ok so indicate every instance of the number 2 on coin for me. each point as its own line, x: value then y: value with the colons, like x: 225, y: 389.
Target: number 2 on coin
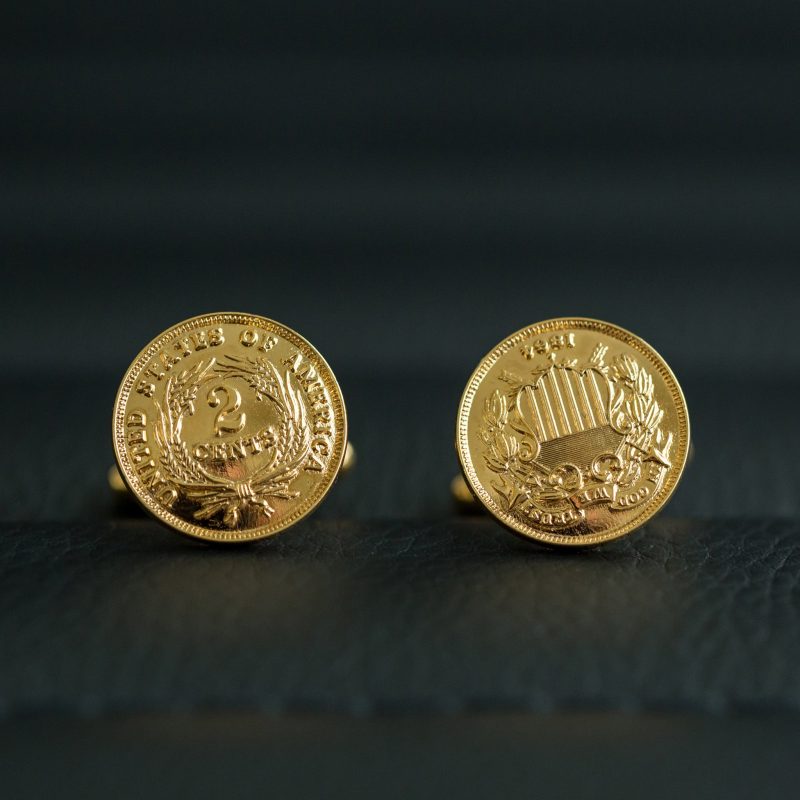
x: 226, y: 420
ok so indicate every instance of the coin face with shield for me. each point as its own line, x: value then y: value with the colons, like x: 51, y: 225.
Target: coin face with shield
x: 572, y: 432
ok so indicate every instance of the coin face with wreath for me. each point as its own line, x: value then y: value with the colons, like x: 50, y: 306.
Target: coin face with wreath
x: 573, y: 432
x: 229, y: 427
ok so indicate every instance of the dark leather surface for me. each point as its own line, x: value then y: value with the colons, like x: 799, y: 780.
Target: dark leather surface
x: 397, y: 659
x: 371, y: 618
x: 212, y: 755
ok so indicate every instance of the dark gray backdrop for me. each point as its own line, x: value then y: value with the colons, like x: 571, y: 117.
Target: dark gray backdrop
x: 403, y: 184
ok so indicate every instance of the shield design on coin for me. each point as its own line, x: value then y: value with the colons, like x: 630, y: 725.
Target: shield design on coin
x: 568, y: 413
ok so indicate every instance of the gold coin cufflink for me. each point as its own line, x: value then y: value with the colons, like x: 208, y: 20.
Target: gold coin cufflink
x: 572, y: 432
x: 229, y: 427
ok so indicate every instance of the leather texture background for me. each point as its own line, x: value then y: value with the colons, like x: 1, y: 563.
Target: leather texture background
x: 368, y: 659
x: 219, y: 754
x: 369, y: 618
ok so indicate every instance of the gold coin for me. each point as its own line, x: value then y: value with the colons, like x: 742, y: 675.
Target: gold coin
x: 229, y: 427
x: 572, y: 432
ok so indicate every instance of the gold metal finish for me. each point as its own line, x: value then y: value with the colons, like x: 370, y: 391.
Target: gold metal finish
x: 460, y: 491
x: 229, y: 427
x: 350, y: 459
x: 116, y: 484
x: 464, y: 501
x: 572, y: 432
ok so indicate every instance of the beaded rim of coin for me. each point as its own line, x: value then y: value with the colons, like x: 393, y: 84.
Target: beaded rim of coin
x: 306, y: 350
x: 557, y: 326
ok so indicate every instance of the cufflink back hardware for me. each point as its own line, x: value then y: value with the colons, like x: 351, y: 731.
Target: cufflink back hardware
x: 229, y: 427
x: 571, y: 432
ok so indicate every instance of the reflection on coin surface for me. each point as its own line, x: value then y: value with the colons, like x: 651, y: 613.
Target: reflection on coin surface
x: 572, y: 432
x: 229, y: 427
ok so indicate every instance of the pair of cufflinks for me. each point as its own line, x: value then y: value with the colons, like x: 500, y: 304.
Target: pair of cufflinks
x: 231, y: 427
